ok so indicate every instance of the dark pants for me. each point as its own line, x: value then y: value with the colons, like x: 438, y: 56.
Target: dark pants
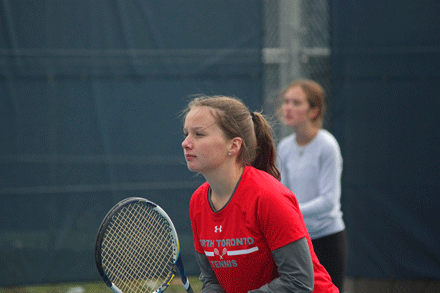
x: 332, y: 254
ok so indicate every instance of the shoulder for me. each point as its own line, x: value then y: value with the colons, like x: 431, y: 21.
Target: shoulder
x: 326, y: 141
x: 201, y: 189
x: 265, y: 188
x: 199, y: 195
x: 260, y: 179
x: 285, y: 143
x: 287, y: 140
x: 325, y: 137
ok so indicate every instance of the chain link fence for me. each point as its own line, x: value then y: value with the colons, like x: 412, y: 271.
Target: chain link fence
x: 296, y: 45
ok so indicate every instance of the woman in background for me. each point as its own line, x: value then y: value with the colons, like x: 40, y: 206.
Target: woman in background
x: 310, y: 162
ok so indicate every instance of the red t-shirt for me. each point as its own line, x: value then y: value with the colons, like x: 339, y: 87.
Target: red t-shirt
x: 238, y: 240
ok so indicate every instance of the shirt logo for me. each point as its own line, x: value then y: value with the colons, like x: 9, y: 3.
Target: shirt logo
x: 218, y: 229
x: 216, y: 252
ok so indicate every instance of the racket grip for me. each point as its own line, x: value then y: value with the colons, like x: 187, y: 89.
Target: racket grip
x: 182, y: 275
x: 187, y: 285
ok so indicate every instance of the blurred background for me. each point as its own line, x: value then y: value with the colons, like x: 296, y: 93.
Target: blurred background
x: 90, y: 97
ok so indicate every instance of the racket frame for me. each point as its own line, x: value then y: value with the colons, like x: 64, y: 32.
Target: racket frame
x: 177, y: 261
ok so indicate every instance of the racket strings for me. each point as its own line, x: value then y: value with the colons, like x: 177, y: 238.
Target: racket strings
x: 137, y: 251
x: 135, y: 242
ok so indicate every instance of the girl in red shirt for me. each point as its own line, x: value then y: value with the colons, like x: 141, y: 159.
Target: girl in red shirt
x: 249, y: 233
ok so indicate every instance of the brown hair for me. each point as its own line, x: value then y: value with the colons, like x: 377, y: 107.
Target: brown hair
x: 234, y: 118
x: 315, y: 96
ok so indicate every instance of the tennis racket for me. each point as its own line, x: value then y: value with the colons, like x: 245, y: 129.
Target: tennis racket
x: 137, y: 249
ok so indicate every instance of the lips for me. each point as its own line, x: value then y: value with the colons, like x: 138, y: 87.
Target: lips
x: 189, y: 157
x: 288, y: 117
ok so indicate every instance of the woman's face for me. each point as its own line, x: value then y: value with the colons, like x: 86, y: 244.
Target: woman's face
x: 205, y: 145
x: 295, y: 108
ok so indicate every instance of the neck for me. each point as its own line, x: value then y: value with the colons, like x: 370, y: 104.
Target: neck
x: 222, y: 184
x: 305, y: 134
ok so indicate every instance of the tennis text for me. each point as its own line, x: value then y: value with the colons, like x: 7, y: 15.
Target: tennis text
x: 224, y: 264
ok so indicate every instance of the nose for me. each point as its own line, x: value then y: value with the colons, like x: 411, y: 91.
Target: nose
x: 186, y: 143
x: 288, y: 105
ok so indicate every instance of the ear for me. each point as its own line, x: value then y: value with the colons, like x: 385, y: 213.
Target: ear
x: 314, y: 113
x: 235, y: 146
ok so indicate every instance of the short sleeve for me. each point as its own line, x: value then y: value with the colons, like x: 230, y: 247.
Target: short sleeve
x: 280, y: 219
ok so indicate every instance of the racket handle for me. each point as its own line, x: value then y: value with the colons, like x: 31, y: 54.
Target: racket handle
x: 182, y: 275
x: 187, y: 285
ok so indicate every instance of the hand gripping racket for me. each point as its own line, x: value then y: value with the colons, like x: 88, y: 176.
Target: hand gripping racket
x: 137, y: 249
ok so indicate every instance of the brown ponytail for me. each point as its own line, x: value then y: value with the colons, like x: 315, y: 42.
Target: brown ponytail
x: 266, y: 151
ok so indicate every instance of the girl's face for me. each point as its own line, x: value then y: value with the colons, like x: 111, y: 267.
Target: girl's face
x: 295, y: 108
x: 205, y: 145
